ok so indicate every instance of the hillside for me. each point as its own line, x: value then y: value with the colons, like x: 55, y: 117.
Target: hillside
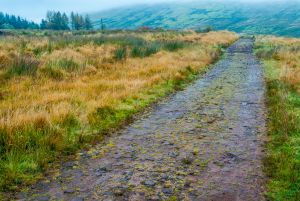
x: 278, y: 18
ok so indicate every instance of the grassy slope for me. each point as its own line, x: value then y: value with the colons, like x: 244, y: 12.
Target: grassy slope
x: 265, y: 18
x: 58, y: 96
x: 283, y: 149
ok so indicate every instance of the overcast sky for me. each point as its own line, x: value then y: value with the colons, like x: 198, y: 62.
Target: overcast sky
x: 36, y: 9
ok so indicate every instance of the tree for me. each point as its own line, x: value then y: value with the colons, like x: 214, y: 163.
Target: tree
x: 72, y: 20
x: 65, y: 22
x: 43, y: 24
x: 15, y: 22
x: 2, y: 19
x: 60, y: 21
x: 102, y: 25
x: 88, y: 23
x: 55, y: 21
x: 78, y: 22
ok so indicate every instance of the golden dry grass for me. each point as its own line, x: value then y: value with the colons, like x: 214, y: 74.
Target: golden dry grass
x: 78, y: 91
x: 286, y: 51
x: 210, y: 38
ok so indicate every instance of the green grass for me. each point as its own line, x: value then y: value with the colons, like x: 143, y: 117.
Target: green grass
x: 282, y: 162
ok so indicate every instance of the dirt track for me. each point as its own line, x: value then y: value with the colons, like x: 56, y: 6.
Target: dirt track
x: 203, y: 143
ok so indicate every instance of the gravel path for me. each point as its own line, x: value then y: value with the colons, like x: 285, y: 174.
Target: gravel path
x: 203, y: 143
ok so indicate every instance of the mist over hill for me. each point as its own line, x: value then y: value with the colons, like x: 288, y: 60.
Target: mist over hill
x: 269, y: 17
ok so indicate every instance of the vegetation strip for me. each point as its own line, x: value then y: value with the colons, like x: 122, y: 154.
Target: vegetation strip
x: 282, y: 163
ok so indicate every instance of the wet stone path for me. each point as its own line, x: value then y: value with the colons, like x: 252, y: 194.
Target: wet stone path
x: 203, y: 143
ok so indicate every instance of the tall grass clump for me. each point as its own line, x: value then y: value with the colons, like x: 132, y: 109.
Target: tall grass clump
x: 23, y: 65
x: 120, y: 53
x: 27, y: 149
x: 145, y: 50
x: 282, y: 163
x: 4, y: 60
x: 173, y: 45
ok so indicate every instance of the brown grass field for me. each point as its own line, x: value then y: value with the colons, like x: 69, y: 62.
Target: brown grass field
x: 59, y: 93
x: 286, y: 53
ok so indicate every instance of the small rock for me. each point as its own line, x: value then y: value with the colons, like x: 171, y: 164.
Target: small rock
x: 77, y: 199
x: 188, y: 183
x: 43, y: 198
x: 210, y: 121
x: 192, y: 173
x: 128, y: 173
x: 108, y: 193
x: 149, y: 183
x: 231, y: 155
x: 200, y: 137
x: 104, y: 169
x: 180, y: 177
x: 244, y: 104
x: 164, y: 177
x: 167, y: 191
x: 69, y: 164
x: 124, y: 179
x: 99, y: 174
x: 119, y: 190
x: 168, y: 143
x: 118, y: 164
x: 149, y: 159
x: 69, y: 191
x: 173, y: 154
x: 21, y: 195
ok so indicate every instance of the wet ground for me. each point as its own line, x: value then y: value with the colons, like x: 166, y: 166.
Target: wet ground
x: 203, y: 143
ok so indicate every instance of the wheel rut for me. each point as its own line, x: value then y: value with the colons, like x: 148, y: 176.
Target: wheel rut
x: 203, y: 143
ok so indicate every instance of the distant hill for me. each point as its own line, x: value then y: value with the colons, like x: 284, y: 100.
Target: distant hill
x: 278, y: 18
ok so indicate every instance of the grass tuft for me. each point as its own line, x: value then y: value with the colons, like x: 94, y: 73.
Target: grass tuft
x: 120, y: 53
x: 23, y: 65
x: 173, y: 45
